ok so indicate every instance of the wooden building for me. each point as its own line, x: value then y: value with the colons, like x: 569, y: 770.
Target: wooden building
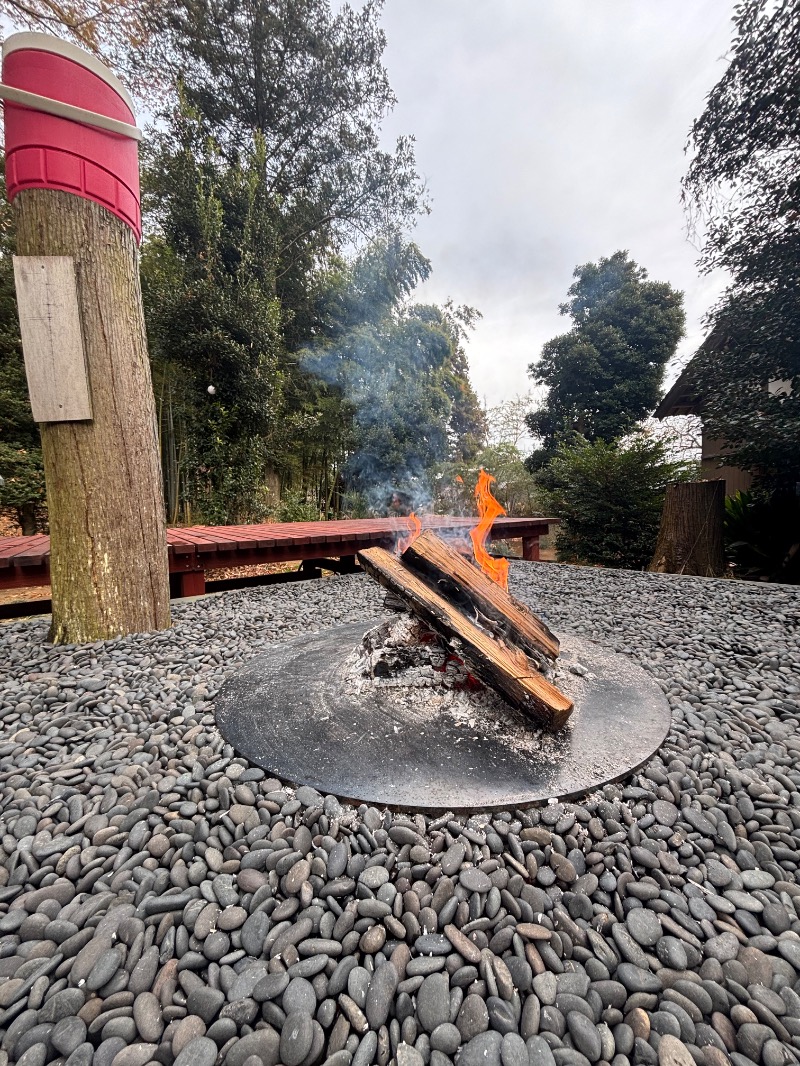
x: 680, y: 400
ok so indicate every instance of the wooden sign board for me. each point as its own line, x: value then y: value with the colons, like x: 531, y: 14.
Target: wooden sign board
x: 52, y: 340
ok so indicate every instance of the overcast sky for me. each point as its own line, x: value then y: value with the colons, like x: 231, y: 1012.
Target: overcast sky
x: 550, y: 133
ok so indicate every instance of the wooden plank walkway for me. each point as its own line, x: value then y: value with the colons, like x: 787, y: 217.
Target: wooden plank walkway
x: 25, y: 561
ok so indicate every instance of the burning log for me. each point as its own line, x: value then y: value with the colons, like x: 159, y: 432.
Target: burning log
x: 491, y: 628
x: 483, y: 600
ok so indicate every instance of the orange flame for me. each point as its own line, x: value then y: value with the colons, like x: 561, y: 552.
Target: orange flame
x: 414, y: 530
x: 488, y: 509
x: 459, y: 479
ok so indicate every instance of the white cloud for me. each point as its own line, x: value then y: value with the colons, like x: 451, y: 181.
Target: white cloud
x: 550, y: 134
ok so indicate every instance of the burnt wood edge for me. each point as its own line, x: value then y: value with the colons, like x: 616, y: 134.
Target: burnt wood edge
x: 504, y: 668
x: 482, y: 600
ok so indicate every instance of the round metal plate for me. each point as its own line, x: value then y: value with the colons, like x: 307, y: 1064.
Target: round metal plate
x: 288, y: 712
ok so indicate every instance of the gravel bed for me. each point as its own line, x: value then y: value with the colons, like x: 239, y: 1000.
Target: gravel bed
x: 162, y: 901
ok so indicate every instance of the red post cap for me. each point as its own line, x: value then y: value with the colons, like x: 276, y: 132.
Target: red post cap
x: 46, y: 151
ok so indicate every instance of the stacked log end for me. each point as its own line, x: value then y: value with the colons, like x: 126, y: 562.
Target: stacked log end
x: 501, y: 640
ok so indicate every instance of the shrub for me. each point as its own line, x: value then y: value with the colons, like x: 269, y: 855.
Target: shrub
x: 295, y: 506
x: 762, y: 536
x: 609, y: 498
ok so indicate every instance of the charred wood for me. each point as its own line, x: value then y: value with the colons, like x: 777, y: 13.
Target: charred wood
x: 504, y: 666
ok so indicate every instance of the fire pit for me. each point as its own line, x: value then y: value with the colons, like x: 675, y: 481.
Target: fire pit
x: 466, y: 700
x: 298, y: 714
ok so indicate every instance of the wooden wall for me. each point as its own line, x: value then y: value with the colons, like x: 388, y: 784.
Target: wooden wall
x: 713, y: 452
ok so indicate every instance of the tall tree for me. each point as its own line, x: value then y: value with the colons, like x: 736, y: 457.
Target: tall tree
x: 605, y: 374
x: 743, y: 188
x: 312, y: 83
x: 264, y: 173
x: 213, y: 322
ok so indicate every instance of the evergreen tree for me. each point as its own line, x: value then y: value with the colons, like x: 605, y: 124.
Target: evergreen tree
x: 605, y: 374
x: 312, y: 83
x: 213, y: 323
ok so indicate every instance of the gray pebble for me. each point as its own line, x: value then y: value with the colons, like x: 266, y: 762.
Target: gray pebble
x: 299, y: 996
x: 446, y: 1038
x: 198, y: 1052
x: 539, y: 1053
x: 585, y: 1035
x: 482, y: 1050
x: 296, y: 1038
x: 68, y: 1034
x: 644, y: 926
x: 380, y: 994
x: 433, y: 1002
x: 474, y: 880
x: 472, y: 1018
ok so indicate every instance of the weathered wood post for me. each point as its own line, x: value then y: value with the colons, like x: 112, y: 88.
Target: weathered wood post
x: 690, y: 540
x: 73, y: 176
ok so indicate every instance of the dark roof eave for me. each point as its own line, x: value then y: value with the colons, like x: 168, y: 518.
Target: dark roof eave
x: 679, y: 400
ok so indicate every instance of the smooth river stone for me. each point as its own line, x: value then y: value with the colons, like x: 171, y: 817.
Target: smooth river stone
x: 474, y: 880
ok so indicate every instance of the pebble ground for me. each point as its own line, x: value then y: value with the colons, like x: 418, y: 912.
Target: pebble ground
x: 163, y: 901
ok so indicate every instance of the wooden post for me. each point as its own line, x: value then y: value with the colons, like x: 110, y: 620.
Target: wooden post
x: 108, y: 559
x: 690, y: 540
x: 192, y: 583
x: 530, y: 549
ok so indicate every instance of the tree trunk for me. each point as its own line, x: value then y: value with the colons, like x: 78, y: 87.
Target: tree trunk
x: 272, y: 483
x: 690, y: 539
x: 108, y: 555
x: 26, y: 516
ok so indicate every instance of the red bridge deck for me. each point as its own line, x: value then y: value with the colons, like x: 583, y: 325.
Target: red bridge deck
x: 25, y: 561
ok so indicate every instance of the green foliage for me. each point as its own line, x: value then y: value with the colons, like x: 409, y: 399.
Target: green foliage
x: 281, y: 368
x: 22, y: 493
x: 609, y: 498
x: 295, y: 507
x: 762, y: 535
x: 605, y: 374
x: 213, y: 322
x: 744, y: 188
x: 311, y: 83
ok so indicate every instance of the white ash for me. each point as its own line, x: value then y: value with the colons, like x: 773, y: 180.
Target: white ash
x: 422, y: 677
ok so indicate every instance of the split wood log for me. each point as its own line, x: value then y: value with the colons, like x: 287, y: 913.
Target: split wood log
x: 482, y: 600
x: 690, y: 540
x: 507, y: 669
